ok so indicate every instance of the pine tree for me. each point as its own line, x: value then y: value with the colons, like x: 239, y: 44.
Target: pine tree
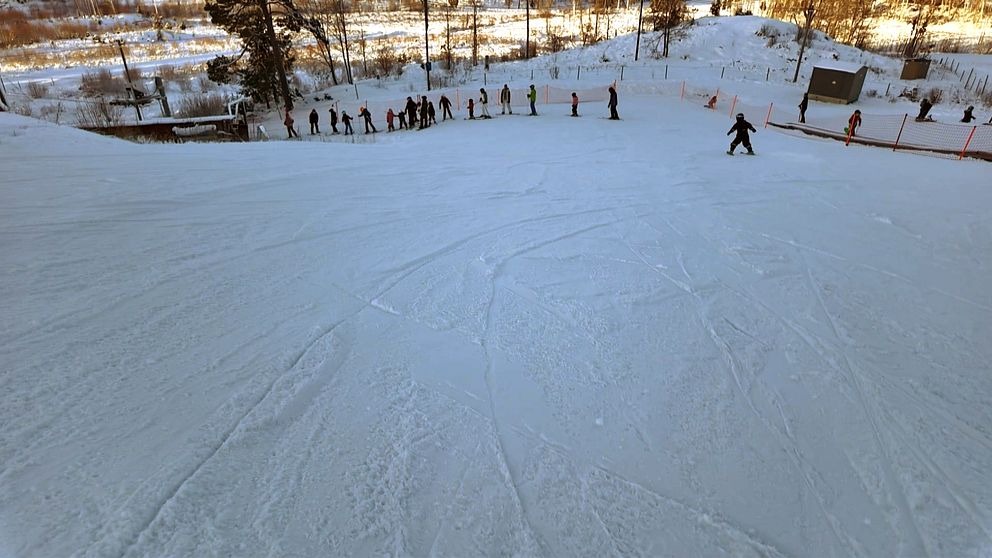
x: 262, y: 74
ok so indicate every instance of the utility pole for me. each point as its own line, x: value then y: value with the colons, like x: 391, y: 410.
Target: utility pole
x: 427, y: 48
x: 475, y: 33
x: 809, y: 12
x: 528, y: 29
x: 127, y: 73
x: 640, y: 17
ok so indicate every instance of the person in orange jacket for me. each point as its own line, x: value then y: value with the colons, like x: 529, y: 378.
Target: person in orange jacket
x: 389, y: 120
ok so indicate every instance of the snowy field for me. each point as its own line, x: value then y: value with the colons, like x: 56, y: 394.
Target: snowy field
x: 526, y: 336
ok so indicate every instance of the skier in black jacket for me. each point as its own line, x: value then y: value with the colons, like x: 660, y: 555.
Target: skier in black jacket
x: 741, y: 127
x: 446, y: 108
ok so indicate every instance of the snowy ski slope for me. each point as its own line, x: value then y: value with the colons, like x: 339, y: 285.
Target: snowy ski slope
x: 531, y: 336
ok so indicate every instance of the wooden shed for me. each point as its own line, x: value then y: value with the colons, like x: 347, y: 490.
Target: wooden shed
x: 837, y: 82
x: 915, y: 68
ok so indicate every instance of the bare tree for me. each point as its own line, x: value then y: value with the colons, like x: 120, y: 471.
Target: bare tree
x: 809, y: 12
x: 927, y: 13
x: 316, y: 16
x: 667, y: 15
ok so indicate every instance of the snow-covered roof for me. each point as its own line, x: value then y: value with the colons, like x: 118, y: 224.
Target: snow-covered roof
x: 840, y: 66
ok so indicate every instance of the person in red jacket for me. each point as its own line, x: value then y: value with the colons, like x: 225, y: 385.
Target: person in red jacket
x: 853, y: 122
x: 389, y: 120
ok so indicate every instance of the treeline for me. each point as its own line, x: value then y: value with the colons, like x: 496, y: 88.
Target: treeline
x: 852, y: 21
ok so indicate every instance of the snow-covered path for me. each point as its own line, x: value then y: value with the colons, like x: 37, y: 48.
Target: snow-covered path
x: 544, y: 336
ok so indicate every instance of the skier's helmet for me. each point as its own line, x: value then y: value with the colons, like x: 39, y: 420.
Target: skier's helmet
x: 740, y: 116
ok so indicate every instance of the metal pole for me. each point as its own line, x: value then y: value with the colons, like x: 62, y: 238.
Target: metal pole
x: 899, y: 135
x: 768, y: 118
x: 527, y: 54
x: 640, y: 17
x: 427, y: 48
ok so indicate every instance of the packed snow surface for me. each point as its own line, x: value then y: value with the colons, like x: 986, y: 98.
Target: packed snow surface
x: 543, y: 336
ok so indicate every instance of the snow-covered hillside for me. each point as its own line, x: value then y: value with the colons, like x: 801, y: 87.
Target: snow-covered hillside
x: 531, y: 336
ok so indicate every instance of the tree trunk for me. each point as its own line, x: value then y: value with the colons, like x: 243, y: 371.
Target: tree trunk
x: 276, y: 54
x: 343, y: 27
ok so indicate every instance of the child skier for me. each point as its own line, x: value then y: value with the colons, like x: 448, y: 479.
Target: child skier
x: 575, y: 104
x: 741, y: 127
x: 346, y: 120
x: 853, y: 122
x: 314, y: 122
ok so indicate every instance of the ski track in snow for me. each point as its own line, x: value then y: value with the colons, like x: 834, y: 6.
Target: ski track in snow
x: 601, y: 352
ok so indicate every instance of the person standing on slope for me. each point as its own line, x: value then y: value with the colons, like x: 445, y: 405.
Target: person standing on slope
x: 346, y: 120
x: 334, y: 121
x: 575, y: 104
x: 289, y: 121
x: 314, y: 122
x: 445, y: 103
x: 411, y: 113
x: 925, y: 106
x: 504, y: 99
x: 389, y: 121
x: 803, y: 105
x: 484, y: 101
x: 741, y: 127
x: 613, y: 104
x: 425, y: 119
x: 532, y: 97
x: 471, y: 108
x: 367, y: 116
x: 431, y: 113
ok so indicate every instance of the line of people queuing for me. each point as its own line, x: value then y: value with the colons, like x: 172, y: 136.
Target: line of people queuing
x: 421, y: 113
